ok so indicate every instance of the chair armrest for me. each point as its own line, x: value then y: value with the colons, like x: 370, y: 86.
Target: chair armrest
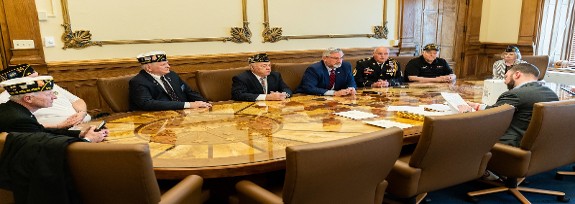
x: 252, y: 191
x: 188, y: 190
x: 509, y: 161
x: 403, y: 179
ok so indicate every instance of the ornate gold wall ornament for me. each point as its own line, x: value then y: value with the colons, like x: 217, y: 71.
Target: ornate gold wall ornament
x: 274, y: 34
x: 82, y: 38
x: 77, y: 39
x: 240, y: 35
x: 380, y: 32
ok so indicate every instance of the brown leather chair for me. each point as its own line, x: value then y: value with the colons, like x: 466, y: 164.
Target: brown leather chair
x: 216, y: 85
x: 540, y: 61
x: 402, y: 60
x: 452, y: 149
x: 547, y: 144
x: 291, y: 72
x: 120, y: 173
x: 123, y: 173
x: 350, y: 170
x: 6, y: 196
x: 116, y: 92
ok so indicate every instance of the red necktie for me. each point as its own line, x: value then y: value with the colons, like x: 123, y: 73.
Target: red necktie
x: 331, y: 78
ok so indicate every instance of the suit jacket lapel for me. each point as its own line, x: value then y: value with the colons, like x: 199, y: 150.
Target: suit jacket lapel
x: 256, y: 82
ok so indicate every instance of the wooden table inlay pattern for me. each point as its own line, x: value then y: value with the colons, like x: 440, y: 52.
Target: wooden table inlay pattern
x: 241, y: 138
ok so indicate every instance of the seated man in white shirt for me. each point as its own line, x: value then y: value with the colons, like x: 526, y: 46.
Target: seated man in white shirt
x: 67, y: 110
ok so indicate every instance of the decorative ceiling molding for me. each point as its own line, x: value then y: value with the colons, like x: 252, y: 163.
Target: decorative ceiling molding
x: 83, y: 38
x: 275, y: 34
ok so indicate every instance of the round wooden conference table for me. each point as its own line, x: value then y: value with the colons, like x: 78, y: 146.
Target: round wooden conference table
x: 244, y: 138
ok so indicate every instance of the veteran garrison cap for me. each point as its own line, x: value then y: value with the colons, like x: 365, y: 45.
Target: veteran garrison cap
x: 262, y: 57
x: 431, y: 46
x: 512, y: 48
x: 16, y: 71
x: 28, y: 85
x: 153, y: 56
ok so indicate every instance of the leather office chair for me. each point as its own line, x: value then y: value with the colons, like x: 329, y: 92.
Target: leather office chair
x: 350, y: 170
x: 119, y: 173
x: 116, y: 91
x: 6, y: 196
x: 540, y: 61
x: 452, y: 149
x: 291, y: 72
x: 547, y: 144
x: 216, y: 85
x: 123, y: 173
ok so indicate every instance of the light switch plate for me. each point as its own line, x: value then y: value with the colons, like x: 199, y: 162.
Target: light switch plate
x: 49, y: 41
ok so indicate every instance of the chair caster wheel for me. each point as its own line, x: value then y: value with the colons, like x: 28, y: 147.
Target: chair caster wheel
x: 472, y: 199
x: 558, y: 176
x: 427, y: 200
x: 563, y: 199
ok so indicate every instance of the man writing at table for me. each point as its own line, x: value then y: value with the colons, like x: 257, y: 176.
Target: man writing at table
x: 27, y: 95
x: 157, y: 88
x: 330, y: 76
x: 428, y: 67
x: 259, y: 83
x: 524, y: 91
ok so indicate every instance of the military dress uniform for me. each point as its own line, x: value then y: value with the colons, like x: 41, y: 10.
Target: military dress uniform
x: 367, y: 71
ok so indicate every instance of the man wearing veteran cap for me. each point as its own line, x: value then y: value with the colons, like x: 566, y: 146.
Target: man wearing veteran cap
x: 157, y: 88
x: 428, y: 67
x: 27, y: 95
x: 67, y: 110
x: 259, y: 83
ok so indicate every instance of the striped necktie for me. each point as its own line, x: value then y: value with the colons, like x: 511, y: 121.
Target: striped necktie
x: 331, y: 79
x: 263, y: 82
x: 169, y: 89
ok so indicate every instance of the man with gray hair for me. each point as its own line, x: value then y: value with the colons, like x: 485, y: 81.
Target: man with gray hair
x: 331, y: 76
x: 27, y: 95
x: 157, y: 88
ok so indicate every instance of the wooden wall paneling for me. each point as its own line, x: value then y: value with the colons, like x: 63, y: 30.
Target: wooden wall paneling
x: 79, y: 77
x: 407, y: 16
x: 430, y: 26
x: 472, y: 50
x: 460, y: 37
x: 529, y: 26
x: 20, y: 22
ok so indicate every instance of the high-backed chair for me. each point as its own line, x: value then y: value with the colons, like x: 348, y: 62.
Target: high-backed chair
x: 452, y: 149
x: 547, y: 144
x: 403, y: 60
x: 216, y: 85
x: 116, y: 91
x: 119, y: 173
x: 123, y: 173
x: 350, y: 170
x: 540, y: 61
x: 291, y: 72
x: 6, y: 196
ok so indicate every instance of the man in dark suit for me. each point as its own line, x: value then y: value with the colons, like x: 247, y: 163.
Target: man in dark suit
x: 27, y: 95
x: 157, y: 88
x: 330, y: 76
x: 378, y: 70
x: 259, y: 83
x: 524, y: 91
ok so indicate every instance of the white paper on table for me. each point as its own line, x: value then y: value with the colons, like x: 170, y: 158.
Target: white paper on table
x: 356, y: 115
x: 388, y: 124
x: 454, y: 100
